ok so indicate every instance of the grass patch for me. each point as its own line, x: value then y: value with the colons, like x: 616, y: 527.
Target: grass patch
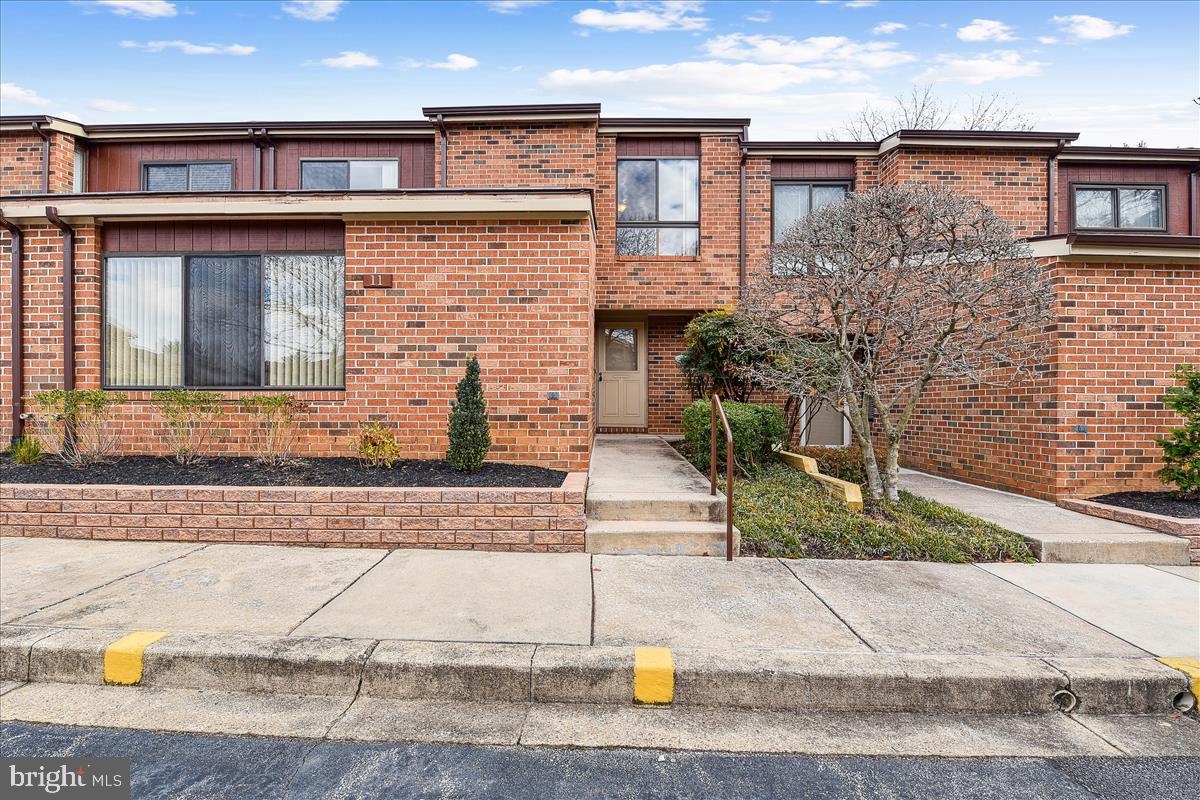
x: 783, y: 513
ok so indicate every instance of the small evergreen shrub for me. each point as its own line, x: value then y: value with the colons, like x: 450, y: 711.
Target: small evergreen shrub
x: 377, y: 446
x: 274, y: 429
x: 756, y: 427
x: 470, y: 437
x: 844, y: 463
x: 26, y: 450
x: 189, y: 419
x: 1181, y: 446
x: 76, y: 425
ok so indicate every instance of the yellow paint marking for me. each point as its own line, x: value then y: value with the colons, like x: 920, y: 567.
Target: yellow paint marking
x: 123, y: 658
x: 653, y: 675
x: 1189, y: 667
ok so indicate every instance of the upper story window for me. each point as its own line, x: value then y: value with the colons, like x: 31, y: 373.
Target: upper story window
x: 349, y: 174
x: 658, y: 207
x: 791, y: 201
x: 1120, y: 207
x: 194, y: 176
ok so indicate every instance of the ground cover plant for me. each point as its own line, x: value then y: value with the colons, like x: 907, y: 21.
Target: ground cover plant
x: 26, y: 450
x: 783, y: 513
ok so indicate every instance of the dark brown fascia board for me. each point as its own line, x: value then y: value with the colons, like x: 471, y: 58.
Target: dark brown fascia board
x: 1048, y: 136
x: 272, y: 193
x: 133, y: 131
x: 1184, y: 154
x: 524, y: 110
x: 809, y: 149
x: 1139, y: 239
x: 681, y: 122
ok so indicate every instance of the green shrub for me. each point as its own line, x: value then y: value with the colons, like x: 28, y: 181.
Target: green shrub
x: 714, y: 355
x: 1181, y: 447
x: 26, y: 450
x: 75, y: 424
x: 377, y: 446
x: 756, y: 427
x: 274, y: 428
x: 189, y: 418
x: 844, y: 463
x: 470, y: 437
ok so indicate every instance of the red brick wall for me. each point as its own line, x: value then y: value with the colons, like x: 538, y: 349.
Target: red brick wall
x: 21, y: 163
x: 529, y: 520
x: 521, y: 154
x: 667, y: 390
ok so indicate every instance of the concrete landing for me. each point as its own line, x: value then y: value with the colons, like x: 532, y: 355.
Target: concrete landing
x: 1055, y: 534
x: 644, y: 498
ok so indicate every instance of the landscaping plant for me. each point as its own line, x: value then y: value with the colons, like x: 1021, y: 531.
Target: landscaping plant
x: 377, y: 446
x: 470, y: 437
x: 26, y: 450
x: 189, y: 418
x: 1181, y: 446
x: 756, y: 428
x: 710, y: 362
x: 274, y: 428
x: 75, y: 423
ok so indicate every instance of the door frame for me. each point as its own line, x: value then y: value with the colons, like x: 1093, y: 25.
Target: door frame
x: 639, y: 322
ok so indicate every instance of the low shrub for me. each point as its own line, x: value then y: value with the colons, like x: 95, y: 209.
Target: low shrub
x: 469, y: 434
x: 783, y: 513
x: 189, y: 420
x: 1181, y: 446
x: 844, y: 463
x: 377, y: 446
x: 274, y: 426
x: 75, y: 424
x: 756, y: 427
x: 26, y: 450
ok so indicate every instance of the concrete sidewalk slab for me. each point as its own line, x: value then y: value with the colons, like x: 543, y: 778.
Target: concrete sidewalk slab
x: 372, y: 719
x: 465, y: 596
x: 36, y: 573
x: 251, y: 589
x: 641, y: 464
x: 708, y: 602
x: 1149, y: 735
x: 1154, y: 610
x: 920, y: 607
x: 1191, y: 573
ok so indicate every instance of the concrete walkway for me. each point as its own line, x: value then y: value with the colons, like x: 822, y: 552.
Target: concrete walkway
x: 1056, y: 534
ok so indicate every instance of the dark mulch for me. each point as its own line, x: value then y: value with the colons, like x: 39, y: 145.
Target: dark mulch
x: 1165, y: 503
x: 156, y: 471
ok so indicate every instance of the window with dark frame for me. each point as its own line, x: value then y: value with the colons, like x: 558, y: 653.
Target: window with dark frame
x: 224, y: 321
x: 1117, y: 207
x: 339, y: 174
x: 194, y: 176
x: 658, y: 207
x: 791, y: 201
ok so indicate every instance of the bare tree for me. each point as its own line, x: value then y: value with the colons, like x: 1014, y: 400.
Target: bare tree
x: 867, y: 301
x: 922, y: 109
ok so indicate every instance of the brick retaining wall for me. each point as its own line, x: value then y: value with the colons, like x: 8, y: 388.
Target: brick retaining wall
x: 530, y: 520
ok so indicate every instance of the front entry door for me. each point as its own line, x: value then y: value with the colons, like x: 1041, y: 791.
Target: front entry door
x: 621, y: 372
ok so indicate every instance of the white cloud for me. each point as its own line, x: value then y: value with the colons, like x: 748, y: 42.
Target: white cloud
x: 1081, y: 26
x: 699, y: 78
x: 513, y: 6
x: 986, y: 30
x: 1160, y: 124
x: 645, y: 17
x: 997, y: 65
x: 760, y: 15
x: 72, y: 116
x: 1048, y: 39
x: 111, y: 106
x: 884, y: 28
x: 456, y: 62
x: 813, y: 50
x: 351, y: 59
x: 11, y: 93
x: 314, y: 10
x: 142, y: 9
x: 190, y: 48
x: 862, y: 3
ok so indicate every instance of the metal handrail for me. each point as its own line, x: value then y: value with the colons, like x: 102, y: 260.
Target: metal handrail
x: 718, y: 410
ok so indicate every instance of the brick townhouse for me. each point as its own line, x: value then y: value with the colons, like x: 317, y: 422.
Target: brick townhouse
x: 357, y: 265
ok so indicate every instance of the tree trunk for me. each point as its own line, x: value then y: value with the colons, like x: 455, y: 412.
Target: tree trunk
x: 891, y: 472
x: 871, y: 466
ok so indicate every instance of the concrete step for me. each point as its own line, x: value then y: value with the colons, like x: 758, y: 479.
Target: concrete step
x: 1110, y: 548
x: 658, y: 537
x: 672, y: 506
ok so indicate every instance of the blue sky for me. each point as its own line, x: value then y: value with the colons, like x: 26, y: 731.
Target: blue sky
x: 1119, y: 72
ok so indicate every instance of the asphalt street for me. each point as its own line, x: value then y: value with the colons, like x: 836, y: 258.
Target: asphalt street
x: 179, y: 766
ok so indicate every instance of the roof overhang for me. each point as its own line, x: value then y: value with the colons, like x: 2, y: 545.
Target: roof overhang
x: 665, y: 126
x: 560, y: 204
x: 1181, y: 155
x: 813, y: 149
x: 536, y: 112
x: 221, y: 130
x: 1117, y: 247
x: 993, y: 140
x: 46, y: 123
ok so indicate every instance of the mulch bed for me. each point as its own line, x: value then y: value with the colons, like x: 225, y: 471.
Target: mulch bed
x: 1165, y: 503
x: 157, y: 471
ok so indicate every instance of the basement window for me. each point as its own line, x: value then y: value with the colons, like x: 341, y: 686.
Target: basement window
x: 658, y: 207
x: 340, y: 174
x: 1141, y: 208
x: 195, y: 176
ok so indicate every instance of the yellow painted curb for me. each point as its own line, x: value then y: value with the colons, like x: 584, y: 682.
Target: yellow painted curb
x: 653, y: 675
x: 123, y: 658
x: 1189, y: 667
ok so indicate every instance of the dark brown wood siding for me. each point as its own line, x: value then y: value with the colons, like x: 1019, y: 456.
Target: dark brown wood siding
x: 222, y: 237
x: 822, y: 169
x: 415, y: 155
x: 1175, y: 178
x: 116, y: 166
x: 633, y: 147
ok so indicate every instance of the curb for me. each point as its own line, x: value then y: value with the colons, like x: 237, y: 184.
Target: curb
x: 771, y: 680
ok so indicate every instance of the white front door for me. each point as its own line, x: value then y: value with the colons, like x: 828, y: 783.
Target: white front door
x: 621, y: 374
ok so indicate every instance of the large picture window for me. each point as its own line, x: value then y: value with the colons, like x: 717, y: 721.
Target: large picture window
x: 658, y: 207
x: 792, y: 201
x: 1120, y: 207
x: 224, y: 321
